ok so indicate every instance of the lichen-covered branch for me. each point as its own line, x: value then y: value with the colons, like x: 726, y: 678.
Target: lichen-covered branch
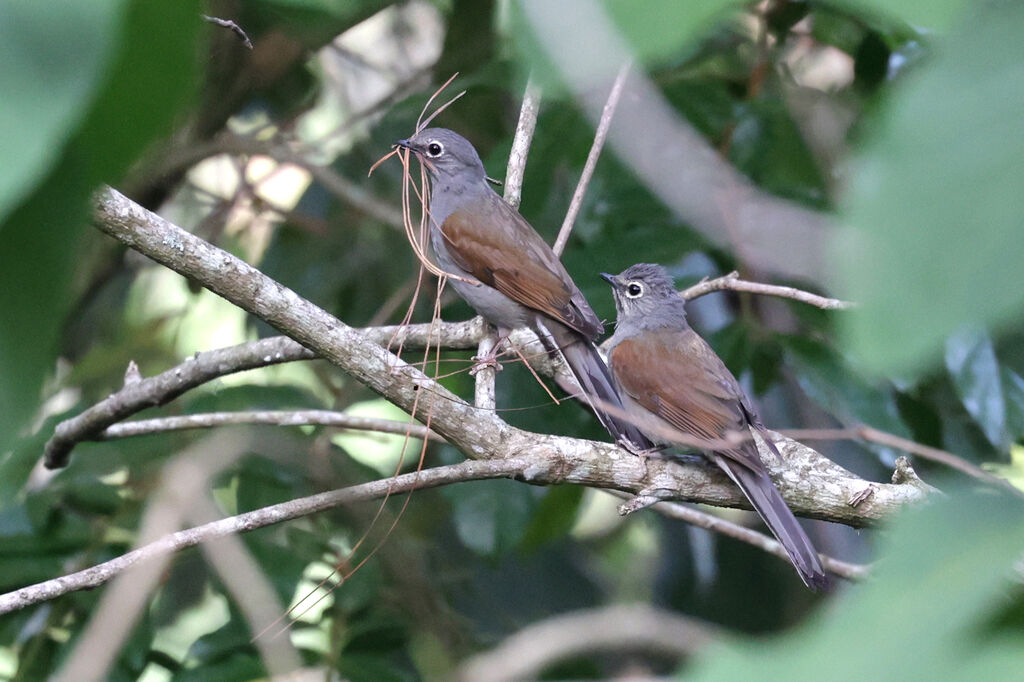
x: 810, y: 483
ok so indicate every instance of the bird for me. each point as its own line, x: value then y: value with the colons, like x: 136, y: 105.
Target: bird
x: 508, y: 273
x: 671, y: 381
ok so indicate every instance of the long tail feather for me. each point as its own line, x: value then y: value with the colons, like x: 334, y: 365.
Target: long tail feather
x: 768, y: 502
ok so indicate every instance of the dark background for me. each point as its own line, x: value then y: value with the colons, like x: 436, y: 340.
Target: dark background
x: 899, y: 123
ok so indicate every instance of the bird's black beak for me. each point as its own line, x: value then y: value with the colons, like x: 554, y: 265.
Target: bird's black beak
x: 405, y: 144
x: 610, y: 279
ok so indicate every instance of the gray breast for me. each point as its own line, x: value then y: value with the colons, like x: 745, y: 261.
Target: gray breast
x: 496, y: 307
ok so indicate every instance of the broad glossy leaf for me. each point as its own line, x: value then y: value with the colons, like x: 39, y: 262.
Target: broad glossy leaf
x: 53, y: 56
x: 1013, y: 390
x: 239, y: 666
x: 145, y: 81
x: 933, y: 214
x: 599, y: 34
x: 972, y: 364
x: 934, y: 15
x: 554, y: 517
x: 491, y: 516
x: 945, y: 574
x: 842, y: 389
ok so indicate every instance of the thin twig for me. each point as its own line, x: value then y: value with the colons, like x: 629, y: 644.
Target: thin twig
x: 232, y: 26
x: 486, y: 375
x: 607, y: 629
x: 874, y: 435
x: 595, y: 152
x: 732, y: 282
x: 469, y: 470
x: 484, y: 393
x: 762, y: 541
x: 207, y: 420
x: 521, y: 143
x: 138, y: 394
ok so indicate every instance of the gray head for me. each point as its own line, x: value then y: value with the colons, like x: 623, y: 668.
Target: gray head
x: 446, y: 154
x: 646, y: 297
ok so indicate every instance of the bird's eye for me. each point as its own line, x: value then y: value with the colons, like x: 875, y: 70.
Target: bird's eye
x: 435, y: 149
x: 634, y: 290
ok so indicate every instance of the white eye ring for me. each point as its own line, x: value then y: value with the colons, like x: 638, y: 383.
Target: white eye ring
x: 434, y: 149
x: 634, y: 290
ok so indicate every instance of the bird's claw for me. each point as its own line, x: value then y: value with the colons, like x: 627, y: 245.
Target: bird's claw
x: 482, y: 362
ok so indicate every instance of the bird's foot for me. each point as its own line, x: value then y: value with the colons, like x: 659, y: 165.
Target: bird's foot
x: 643, y: 453
x: 482, y: 362
x: 489, y: 359
x: 634, y: 449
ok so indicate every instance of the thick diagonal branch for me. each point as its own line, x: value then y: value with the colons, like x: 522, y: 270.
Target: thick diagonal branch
x: 811, y: 484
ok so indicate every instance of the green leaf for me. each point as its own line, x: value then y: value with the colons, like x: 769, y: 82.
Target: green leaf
x: 240, y: 666
x: 491, y: 516
x: 360, y: 667
x: 653, y: 30
x: 937, y: 15
x: 934, y: 239
x: 945, y: 573
x: 768, y: 148
x: 1013, y: 390
x: 54, y: 54
x: 144, y: 85
x: 555, y: 516
x: 657, y: 28
x: 841, y: 390
x: 972, y: 364
x: 262, y: 483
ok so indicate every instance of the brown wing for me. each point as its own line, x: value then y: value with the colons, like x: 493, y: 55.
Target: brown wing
x: 678, y: 377
x: 536, y: 279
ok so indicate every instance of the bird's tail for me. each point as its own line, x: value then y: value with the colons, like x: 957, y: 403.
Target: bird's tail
x: 595, y: 381
x: 768, y: 503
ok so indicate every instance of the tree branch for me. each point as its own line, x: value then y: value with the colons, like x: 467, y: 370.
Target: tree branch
x: 209, y: 365
x: 811, y: 484
x: 766, y: 543
x: 145, y: 427
x: 231, y: 26
x: 521, y: 143
x: 595, y: 153
x: 873, y: 435
x: 469, y: 470
x: 527, y: 653
x: 732, y: 282
x: 138, y: 394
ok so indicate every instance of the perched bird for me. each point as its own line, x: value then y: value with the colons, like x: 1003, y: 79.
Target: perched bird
x: 516, y: 280
x: 671, y: 381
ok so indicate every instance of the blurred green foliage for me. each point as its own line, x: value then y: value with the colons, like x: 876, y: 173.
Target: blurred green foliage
x: 927, y: 96
x: 935, y: 204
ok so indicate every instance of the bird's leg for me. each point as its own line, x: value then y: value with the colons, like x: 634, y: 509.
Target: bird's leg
x: 643, y: 453
x: 490, y: 358
x: 634, y: 449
